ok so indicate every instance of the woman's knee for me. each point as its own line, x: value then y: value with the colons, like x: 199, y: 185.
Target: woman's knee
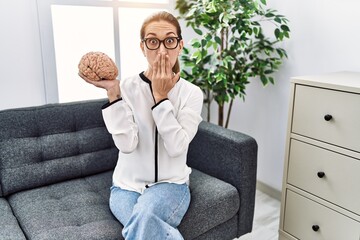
x: 121, y: 203
x: 167, y: 206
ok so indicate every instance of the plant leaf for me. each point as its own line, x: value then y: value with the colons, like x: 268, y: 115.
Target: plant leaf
x: 285, y: 28
x: 218, y: 40
x: 198, y: 31
x: 203, y: 42
x: 286, y: 34
x: 271, y: 79
x: 195, y: 54
x: 277, y: 19
x: 196, y: 45
x: 264, y: 80
x: 256, y: 31
x: 277, y: 33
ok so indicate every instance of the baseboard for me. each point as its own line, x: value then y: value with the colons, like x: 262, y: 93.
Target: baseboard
x: 272, y: 192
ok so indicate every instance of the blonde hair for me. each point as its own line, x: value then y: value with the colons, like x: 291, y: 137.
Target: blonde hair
x: 163, y: 16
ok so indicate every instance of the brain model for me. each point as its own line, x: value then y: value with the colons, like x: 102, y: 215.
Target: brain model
x: 97, y: 66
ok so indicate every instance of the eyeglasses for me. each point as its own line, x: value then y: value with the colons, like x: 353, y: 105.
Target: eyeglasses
x: 169, y: 42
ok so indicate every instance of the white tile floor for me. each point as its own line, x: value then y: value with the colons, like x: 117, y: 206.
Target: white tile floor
x: 266, y: 218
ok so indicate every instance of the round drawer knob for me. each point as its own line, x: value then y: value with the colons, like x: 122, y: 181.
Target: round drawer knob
x: 321, y: 174
x: 315, y: 228
x: 327, y: 117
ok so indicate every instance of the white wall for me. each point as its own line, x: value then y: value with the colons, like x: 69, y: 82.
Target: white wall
x: 324, y: 38
x: 21, y: 73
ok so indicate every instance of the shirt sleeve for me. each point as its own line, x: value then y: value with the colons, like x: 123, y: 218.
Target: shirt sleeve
x: 178, y: 131
x: 119, y: 121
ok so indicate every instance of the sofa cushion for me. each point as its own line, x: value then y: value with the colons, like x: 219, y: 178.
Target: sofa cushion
x: 10, y: 228
x: 79, y: 209
x: 226, y: 230
x: 52, y: 143
x: 213, y: 202
x: 75, y: 209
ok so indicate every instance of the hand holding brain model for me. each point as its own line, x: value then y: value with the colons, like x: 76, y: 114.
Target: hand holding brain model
x: 97, y: 66
x: 100, y: 70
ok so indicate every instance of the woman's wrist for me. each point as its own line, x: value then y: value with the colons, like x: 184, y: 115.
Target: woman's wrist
x: 113, y: 96
x: 159, y: 98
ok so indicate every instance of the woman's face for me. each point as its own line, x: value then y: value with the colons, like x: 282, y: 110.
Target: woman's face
x: 161, y: 30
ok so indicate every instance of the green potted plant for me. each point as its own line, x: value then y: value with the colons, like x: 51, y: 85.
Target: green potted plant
x: 232, y: 48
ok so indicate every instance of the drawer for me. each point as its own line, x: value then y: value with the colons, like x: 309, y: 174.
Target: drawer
x: 302, y: 215
x: 339, y: 185
x: 312, y: 104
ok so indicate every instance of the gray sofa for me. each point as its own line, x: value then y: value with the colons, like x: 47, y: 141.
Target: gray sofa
x: 56, y: 164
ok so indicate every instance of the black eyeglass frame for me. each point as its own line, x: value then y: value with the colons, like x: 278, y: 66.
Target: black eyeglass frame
x: 163, y: 42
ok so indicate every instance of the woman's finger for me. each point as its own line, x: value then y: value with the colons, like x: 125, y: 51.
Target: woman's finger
x: 106, y: 84
x: 162, y: 66
x: 168, y: 70
x: 156, y: 66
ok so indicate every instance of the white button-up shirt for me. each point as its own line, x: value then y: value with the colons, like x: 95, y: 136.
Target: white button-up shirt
x: 153, y: 139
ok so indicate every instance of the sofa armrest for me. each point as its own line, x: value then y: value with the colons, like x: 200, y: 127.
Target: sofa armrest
x: 232, y: 157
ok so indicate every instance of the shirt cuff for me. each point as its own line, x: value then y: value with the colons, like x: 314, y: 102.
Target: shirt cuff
x: 159, y: 103
x: 108, y: 104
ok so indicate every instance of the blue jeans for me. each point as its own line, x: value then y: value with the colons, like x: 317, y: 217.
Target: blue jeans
x: 155, y: 214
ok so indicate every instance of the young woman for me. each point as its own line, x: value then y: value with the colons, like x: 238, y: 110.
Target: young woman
x: 152, y: 116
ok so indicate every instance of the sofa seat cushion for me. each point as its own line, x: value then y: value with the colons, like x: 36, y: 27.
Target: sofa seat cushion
x: 79, y: 208
x: 75, y: 209
x: 10, y: 228
x: 213, y: 202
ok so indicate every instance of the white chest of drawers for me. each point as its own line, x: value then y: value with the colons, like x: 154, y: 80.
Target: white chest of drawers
x: 321, y: 184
